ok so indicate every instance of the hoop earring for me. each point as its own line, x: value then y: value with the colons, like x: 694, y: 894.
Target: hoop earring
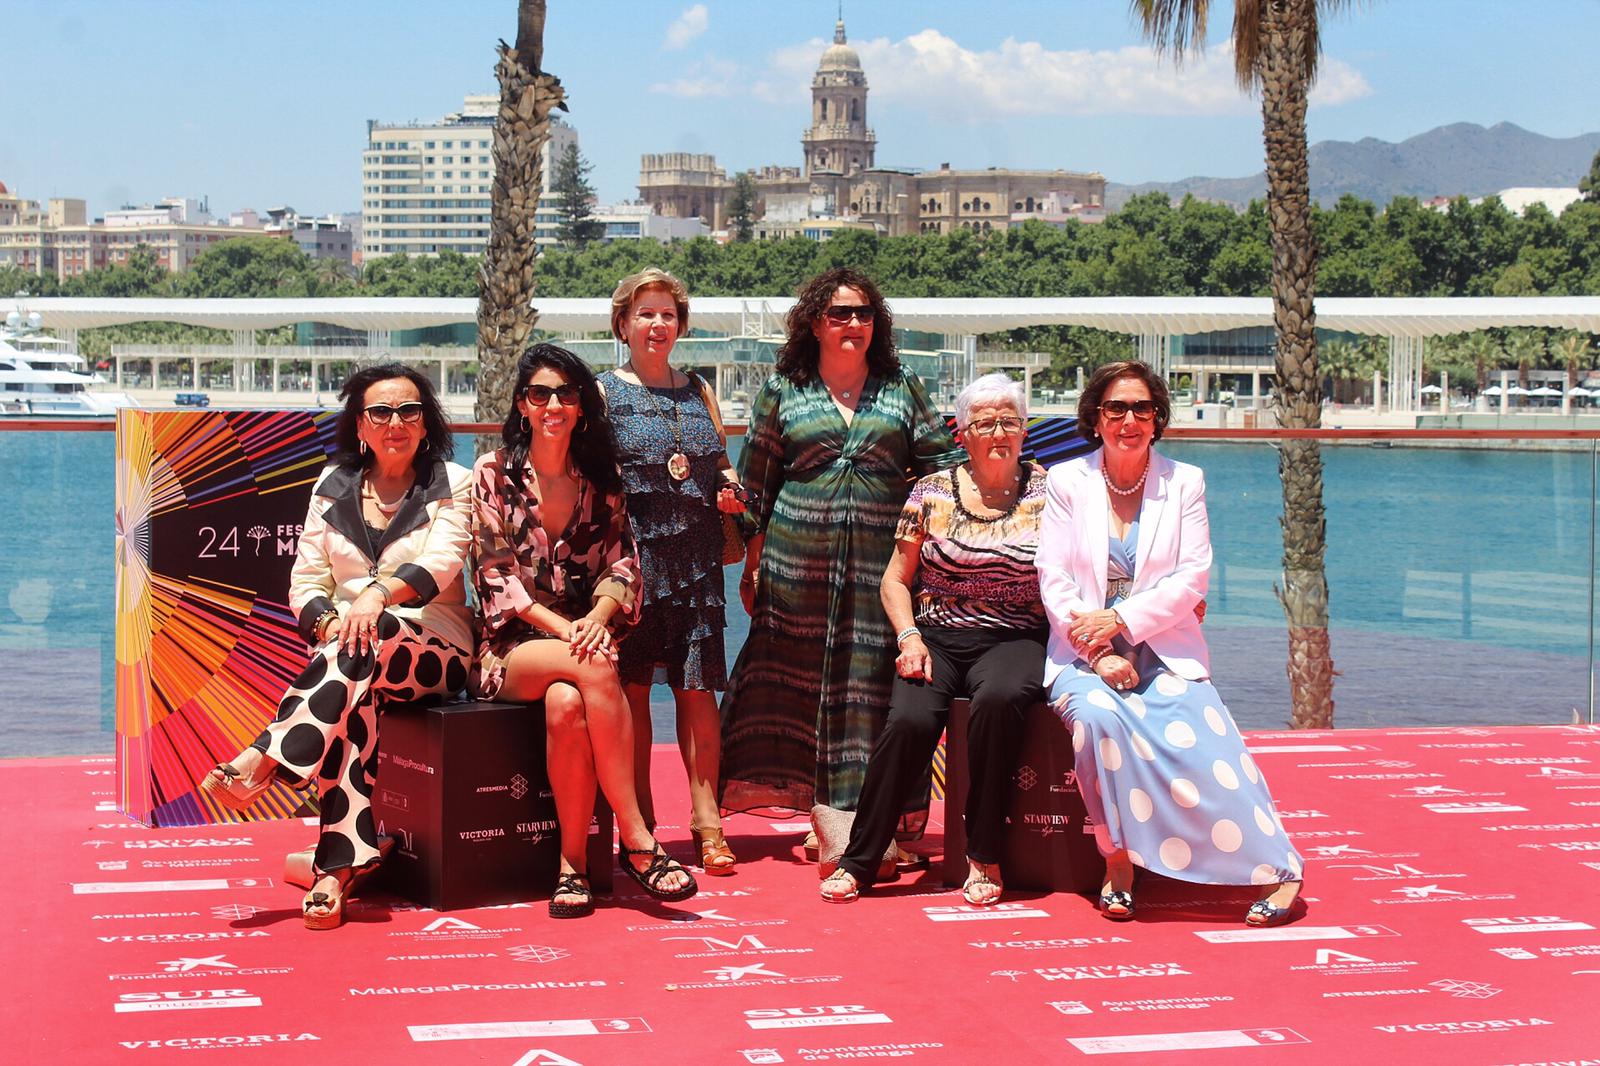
x: 527, y: 427
x: 425, y: 444
x: 583, y: 424
x: 362, y: 446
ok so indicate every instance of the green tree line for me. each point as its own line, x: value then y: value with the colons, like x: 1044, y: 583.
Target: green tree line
x: 1149, y: 248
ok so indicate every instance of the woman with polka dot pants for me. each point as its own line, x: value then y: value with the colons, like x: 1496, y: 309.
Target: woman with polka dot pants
x: 1125, y: 551
x: 377, y: 589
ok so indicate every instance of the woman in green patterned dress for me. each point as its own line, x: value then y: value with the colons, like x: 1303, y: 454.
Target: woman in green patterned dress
x: 837, y: 436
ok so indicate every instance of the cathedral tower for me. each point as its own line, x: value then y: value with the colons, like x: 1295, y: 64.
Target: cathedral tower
x: 838, y: 141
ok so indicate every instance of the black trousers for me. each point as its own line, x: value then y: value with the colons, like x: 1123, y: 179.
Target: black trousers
x: 1002, y: 672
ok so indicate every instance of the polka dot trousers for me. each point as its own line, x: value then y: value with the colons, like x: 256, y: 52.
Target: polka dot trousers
x: 327, y: 726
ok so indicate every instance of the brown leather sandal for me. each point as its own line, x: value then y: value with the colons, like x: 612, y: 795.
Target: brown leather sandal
x: 716, y: 858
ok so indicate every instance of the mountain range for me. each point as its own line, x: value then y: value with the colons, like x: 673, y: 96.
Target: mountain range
x: 1461, y: 159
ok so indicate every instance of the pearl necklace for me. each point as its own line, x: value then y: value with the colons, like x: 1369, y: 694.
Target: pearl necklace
x: 1137, y: 485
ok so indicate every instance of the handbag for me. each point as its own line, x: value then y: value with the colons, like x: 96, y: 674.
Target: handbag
x: 732, y: 534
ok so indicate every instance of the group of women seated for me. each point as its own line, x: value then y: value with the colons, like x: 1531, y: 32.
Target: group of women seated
x: 886, y: 569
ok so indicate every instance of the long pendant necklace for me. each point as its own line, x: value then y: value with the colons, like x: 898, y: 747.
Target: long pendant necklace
x: 677, y: 462
x: 1137, y: 485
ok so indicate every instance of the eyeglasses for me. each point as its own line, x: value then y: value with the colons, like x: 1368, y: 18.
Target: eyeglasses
x: 539, y: 395
x: 988, y: 426
x: 381, y: 414
x: 843, y: 313
x: 1116, y: 410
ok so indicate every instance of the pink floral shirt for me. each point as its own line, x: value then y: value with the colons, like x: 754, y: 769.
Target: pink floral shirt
x: 515, y: 564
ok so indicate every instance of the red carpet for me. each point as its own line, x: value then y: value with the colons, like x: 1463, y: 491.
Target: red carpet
x: 1454, y: 918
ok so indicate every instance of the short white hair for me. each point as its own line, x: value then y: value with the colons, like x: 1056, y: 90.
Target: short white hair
x: 991, y: 389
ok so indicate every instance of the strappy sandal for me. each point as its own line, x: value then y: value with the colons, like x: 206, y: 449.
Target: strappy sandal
x: 980, y: 878
x: 1263, y: 913
x: 716, y: 858
x: 811, y: 848
x: 232, y: 789
x: 1117, y: 904
x: 572, y: 883
x: 660, y: 866
x: 841, y: 876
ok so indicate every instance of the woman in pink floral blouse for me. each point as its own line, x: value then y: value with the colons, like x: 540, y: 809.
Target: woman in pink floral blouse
x: 558, y: 584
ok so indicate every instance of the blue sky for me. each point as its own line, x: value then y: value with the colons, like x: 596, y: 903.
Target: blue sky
x: 256, y: 104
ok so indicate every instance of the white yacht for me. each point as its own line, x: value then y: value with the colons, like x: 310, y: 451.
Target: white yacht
x: 42, y: 376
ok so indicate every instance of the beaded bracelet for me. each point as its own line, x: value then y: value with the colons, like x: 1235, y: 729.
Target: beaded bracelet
x: 908, y: 631
x: 1094, y: 660
x: 322, y: 620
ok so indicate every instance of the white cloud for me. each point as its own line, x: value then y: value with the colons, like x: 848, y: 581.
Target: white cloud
x: 686, y: 27
x: 706, y: 77
x: 1021, y: 79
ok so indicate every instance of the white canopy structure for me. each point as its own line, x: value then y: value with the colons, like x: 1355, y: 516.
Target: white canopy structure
x: 1409, y: 317
x: 1154, y: 321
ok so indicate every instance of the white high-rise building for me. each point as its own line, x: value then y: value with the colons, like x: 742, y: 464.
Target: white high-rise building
x: 425, y: 185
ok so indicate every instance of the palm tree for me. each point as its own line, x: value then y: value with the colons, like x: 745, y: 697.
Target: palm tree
x: 1276, y: 45
x: 1526, y: 346
x: 1573, y: 348
x: 505, y: 281
x: 1482, y: 349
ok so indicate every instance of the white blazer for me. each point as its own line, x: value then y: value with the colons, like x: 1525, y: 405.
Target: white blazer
x: 1172, y: 563
x: 425, y: 546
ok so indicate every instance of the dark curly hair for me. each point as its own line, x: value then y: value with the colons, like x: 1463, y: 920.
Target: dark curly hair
x: 1100, y: 381
x: 594, y: 447
x: 797, y: 359
x: 437, y: 440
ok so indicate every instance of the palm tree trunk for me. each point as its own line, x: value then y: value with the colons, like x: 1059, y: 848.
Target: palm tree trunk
x: 506, y: 317
x: 1304, y: 592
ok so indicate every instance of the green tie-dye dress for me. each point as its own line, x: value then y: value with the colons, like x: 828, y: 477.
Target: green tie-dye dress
x: 810, y: 690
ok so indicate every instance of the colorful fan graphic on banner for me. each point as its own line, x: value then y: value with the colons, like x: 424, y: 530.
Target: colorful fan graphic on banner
x: 209, y: 506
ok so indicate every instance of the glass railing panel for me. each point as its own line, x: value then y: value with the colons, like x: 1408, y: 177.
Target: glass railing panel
x: 57, y: 592
x: 1459, y: 580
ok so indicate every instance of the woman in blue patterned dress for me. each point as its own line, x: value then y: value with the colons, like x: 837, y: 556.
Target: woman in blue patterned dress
x: 1124, y: 559
x: 676, y: 474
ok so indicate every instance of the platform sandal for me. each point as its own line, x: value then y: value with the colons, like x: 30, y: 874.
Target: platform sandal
x: 660, y: 866
x: 572, y: 883
x: 325, y: 910
x: 232, y: 789
x: 716, y: 858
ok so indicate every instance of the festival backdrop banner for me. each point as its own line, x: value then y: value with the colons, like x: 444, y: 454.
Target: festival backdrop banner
x: 209, y: 508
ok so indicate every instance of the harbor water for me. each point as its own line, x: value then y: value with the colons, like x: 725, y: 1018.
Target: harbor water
x: 1460, y: 587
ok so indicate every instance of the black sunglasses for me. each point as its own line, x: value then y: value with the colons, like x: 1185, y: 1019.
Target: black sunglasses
x: 381, y: 414
x: 539, y: 395
x: 843, y: 313
x: 1143, y: 410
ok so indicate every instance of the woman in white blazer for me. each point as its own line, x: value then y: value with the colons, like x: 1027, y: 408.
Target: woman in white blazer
x: 1124, y: 556
x: 377, y: 590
